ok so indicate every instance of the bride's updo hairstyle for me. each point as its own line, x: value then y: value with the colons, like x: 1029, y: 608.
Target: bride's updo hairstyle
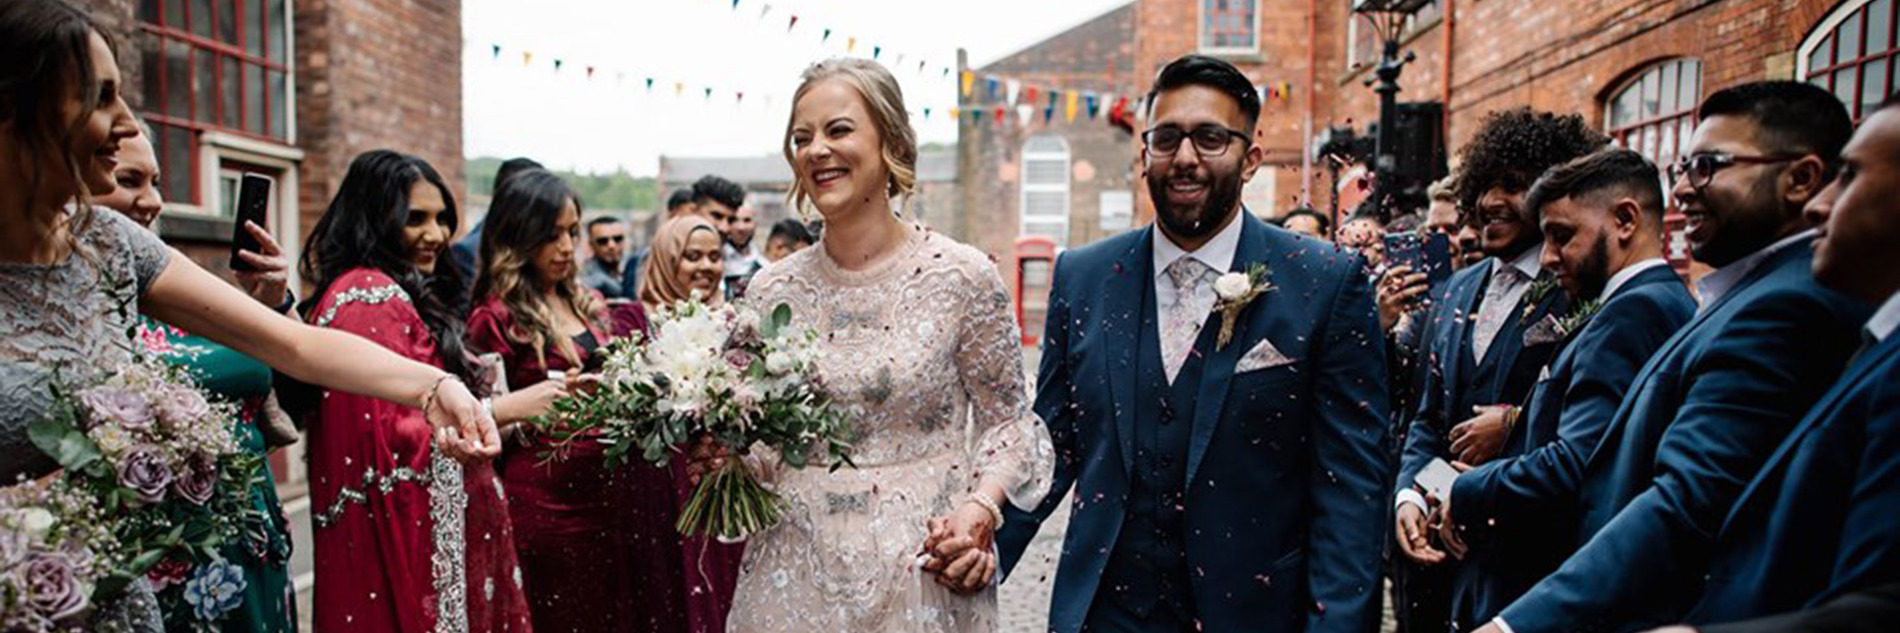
x: 885, y: 100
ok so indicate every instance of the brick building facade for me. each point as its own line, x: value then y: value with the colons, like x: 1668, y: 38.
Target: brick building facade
x: 289, y: 89
x: 1047, y: 174
x: 1635, y: 67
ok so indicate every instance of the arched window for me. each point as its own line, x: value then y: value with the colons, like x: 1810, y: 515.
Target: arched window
x: 1046, y: 188
x: 1851, y: 54
x: 1654, y: 114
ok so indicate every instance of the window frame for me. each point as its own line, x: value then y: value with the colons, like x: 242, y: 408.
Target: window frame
x: 1201, y: 31
x: 1066, y: 188
x: 201, y: 127
x: 1824, y: 33
x: 1630, y: 135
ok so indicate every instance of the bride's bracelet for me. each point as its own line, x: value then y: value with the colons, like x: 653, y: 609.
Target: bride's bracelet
x: 429, y: 397
x: 996, y: 512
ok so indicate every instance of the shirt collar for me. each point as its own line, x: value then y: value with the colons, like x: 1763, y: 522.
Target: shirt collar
x: 1886, y: 318
x: 1527, y: 262
x: 1630, y: 272
x: 1719, y: 282
x: 1217, y: 253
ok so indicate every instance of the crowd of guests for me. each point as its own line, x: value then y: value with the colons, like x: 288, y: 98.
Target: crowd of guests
x: 1556, y: 433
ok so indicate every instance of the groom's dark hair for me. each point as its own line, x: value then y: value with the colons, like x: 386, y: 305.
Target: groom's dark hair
x: 1201, y: 70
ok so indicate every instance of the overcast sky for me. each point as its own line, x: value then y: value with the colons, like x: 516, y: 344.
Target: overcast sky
x: 567, y: 121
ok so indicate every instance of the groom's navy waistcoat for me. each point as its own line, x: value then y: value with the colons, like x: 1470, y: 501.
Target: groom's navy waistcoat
x: 1149, y: 563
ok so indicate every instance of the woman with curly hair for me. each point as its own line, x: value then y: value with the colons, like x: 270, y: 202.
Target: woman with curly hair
x: 597, y: 545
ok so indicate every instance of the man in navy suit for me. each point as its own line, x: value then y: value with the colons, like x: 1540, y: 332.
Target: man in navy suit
x: 1705, y: 413
x: 1219, y: 484
x: 1479, y: 354
x: 1602, y: 218
x: 1823, y: 516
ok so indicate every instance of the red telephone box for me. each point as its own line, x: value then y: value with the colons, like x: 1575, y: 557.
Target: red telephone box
x: 1034, y: 262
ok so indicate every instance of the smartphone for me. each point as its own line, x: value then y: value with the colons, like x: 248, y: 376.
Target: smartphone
x: 1428, y: 253
x: 253, y: 202
x: 1436, y: 478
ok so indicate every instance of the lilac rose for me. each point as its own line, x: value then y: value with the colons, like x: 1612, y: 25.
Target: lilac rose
x: 118, y: 406
x: 145, y: 472
x: 198, y: 481
x: 53, y: 588
x: 179, y: 406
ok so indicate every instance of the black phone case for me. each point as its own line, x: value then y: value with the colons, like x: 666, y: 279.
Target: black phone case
x: 253, y: 202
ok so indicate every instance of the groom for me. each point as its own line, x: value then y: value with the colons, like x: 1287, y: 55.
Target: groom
x: 1231, y: 487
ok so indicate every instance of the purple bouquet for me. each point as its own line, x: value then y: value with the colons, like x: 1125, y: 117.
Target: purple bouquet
x: 159, y: 461
x: 54, y: 551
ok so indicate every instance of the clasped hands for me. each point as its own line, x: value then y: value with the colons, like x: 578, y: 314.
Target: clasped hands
x: 960, y: 548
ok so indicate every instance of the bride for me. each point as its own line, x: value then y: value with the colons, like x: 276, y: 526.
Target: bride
x: 920, y: 345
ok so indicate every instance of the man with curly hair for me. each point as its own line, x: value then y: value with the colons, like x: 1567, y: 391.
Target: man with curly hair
x: 1483, y: 353
x: 1714, y: 403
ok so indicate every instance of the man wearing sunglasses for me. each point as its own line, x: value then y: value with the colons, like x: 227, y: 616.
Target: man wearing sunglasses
x: 1711, y: 406
x: 607, y: 240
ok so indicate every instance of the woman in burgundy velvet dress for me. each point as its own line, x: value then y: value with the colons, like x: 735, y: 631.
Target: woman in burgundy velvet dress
x: 597, y: 545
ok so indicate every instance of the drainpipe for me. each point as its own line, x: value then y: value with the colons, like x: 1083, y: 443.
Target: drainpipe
x: 1451, y: 25
x: 1312, y: 88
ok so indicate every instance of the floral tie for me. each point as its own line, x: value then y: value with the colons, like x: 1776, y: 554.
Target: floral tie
x: 1187, y: 314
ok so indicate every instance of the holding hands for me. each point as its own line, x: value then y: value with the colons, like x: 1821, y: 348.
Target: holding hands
x: 960, y: 549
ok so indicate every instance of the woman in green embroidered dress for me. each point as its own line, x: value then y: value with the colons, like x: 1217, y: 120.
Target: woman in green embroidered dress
x: 264, y: 553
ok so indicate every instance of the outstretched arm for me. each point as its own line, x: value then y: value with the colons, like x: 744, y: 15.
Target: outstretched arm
x: 188, y: 297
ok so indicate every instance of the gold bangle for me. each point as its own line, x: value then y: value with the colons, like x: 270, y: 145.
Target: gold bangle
x: 429, y: 397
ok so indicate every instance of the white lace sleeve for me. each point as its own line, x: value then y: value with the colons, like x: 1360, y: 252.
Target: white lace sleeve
x: 1013, y: 447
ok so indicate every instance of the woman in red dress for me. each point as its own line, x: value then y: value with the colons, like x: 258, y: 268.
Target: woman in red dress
x: 686, y: 261
x: 597, y: 544
x: 406, y: 539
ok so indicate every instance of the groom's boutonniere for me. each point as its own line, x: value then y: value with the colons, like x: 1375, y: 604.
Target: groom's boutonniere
x: 1235, y: 290
x: 1535, y: 296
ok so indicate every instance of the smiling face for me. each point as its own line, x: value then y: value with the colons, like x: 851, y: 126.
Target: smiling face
x: 554, y: 259
x: 1503, y: 229
x: 1859, y: 223
x: 105, y: 126
x: 744, y: 224
x: 1196, y: 196
x: 1741, y: 210
x: 136, y: 181
x: 836, y: 150
x: 701, y: 262
x: 428, y: 227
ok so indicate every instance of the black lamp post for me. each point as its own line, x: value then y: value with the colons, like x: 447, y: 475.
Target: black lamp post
x: 1388, y: 23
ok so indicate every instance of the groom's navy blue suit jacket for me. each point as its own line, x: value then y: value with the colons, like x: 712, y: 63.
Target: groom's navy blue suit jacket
x: 1285, y: 480
x: 1700, y: 420
x: 1823, y: 517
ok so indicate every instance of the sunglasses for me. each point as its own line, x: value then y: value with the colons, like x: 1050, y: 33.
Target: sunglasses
x: 611, y: 239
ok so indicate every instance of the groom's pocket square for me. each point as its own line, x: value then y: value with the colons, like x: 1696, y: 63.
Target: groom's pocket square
x: 1263, y: 356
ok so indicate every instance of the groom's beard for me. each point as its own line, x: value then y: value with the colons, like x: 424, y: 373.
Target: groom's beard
x: 1194, y: 221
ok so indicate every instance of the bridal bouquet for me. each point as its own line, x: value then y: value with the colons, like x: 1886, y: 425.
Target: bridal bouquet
x: 162, y: 465
x: 53, y: 552
x: 747, y: 380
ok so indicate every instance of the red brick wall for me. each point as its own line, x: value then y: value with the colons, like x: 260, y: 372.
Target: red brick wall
x: 1564, y: 55
x: 1097, y: 56
x: 377, y: 74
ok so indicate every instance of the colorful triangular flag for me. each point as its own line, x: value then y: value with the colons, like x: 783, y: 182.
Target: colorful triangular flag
x: 1068, y: 112
x: 969, y: 80
x: 1013, y: 88
x: 826, y: 38
x: 790, y: 25
x: 497, y: 49
x: 876, y: 51
x: 1093, y: 104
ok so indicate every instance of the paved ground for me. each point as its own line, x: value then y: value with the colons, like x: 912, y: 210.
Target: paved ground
x: 1023, y: 599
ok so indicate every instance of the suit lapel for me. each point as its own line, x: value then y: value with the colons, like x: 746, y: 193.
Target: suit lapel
x: 1123, y: 327
x: 1824, y: 411
x: 1217, y: 369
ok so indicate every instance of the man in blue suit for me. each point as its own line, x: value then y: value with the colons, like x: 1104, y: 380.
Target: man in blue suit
x: 1481, y: 352
x: 1221, y: 431
x: 1602, y: 218
x: 1822, y: 518
x: 1705, y: 413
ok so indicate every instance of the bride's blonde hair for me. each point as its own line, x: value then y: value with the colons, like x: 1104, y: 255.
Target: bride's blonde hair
x: 885, y: 100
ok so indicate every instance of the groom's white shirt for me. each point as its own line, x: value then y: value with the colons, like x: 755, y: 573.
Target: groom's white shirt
x: 1217, y: 253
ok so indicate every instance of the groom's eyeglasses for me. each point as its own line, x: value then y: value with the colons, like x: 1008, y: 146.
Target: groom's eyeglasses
x: 1210, y: 141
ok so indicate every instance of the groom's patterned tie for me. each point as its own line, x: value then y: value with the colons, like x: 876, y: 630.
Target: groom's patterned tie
x: 1184, y: 318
